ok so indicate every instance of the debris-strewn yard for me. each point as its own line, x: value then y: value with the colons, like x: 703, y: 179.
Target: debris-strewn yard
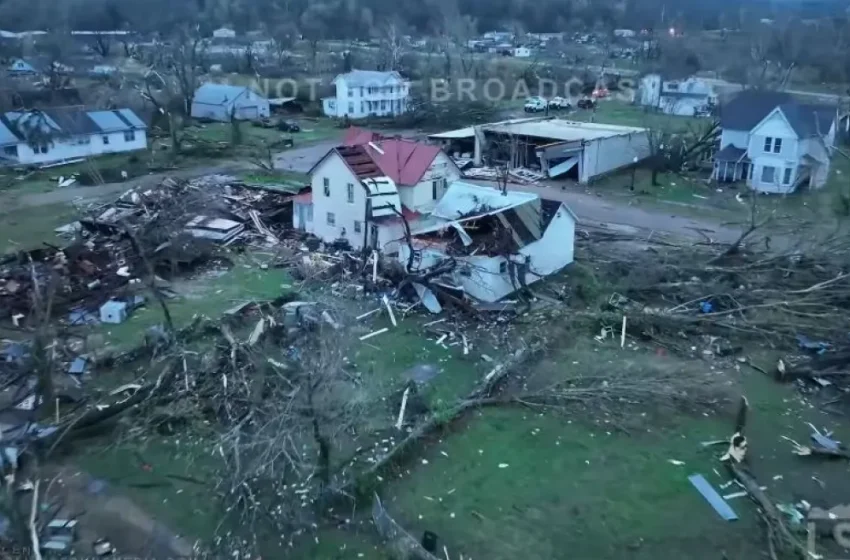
x: 303, y: 391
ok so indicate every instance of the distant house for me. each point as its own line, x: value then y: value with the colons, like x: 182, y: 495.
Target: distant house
x: 22, y: 68
x: 775, y: 143
x: 220, y: 102
x: 689, y: 98
x: 364, y: 93
x: 224, y: 33
x: 624, y: 33
x: 521, y: 52
x: 55, y: 135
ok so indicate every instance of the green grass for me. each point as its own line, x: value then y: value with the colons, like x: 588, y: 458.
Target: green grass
x: 626, y: 114
x: 210, y: 293
x: 574, y: 482
x: 254, y: 137
x: 385, y: 359
x: 23, y: 229
x: 145, y: 471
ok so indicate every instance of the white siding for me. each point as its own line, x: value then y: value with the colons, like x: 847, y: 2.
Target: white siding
x: 345, y: 214
x: 76, y: 148
x: 774, y: 126
x: 607, y: 154
x: 357, y: 102
x: 481, y: 276
x: 737, y: 138
x: 421, y: 197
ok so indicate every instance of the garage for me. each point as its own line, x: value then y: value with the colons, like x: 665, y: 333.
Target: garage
x: 551, y: 147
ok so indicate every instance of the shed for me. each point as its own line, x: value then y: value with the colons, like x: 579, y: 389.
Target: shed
x: 221, y: 102
x: 21, y: 67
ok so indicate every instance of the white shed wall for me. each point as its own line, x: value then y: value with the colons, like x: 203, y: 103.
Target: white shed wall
x: 604, y: 155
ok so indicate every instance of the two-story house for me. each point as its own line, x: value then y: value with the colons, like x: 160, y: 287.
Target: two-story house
x: 365, y: 93
x: 775, y: 143
x: 363, y: 190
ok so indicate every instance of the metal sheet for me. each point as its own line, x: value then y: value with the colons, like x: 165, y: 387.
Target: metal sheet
x: 712, y: 497
x: 562, y: 168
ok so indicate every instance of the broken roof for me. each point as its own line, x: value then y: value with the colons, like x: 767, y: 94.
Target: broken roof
x: 219, y: 94
x: 465, y: 200
x: 404, y: 161
x: 809, y: 119
x: 70, y: 121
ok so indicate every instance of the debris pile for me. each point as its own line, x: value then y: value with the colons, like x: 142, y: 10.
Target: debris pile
x: 176, y: 227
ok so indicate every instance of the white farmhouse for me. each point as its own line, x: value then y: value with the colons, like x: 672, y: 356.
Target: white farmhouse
x: 521, y: 52
x: 688, y: 98
x: 56, y: 135
x: 221, y: 102
x: 775, y: 143
x: 362, y: 189
x: 365, y: 93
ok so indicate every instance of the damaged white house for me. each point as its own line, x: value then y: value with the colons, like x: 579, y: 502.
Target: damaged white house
x: 404, y: 199
x: 488, y: 243
x: 556, y: 147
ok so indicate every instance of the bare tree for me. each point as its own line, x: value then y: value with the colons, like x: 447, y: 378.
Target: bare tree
x: 391, y: 35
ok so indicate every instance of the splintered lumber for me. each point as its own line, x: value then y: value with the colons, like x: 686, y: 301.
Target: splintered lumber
x: 374, y: 333
x: 623, y: 333
x: 390, y: 311
x: 367, y: 314
x: 374, y: 267
x: 400, y: 422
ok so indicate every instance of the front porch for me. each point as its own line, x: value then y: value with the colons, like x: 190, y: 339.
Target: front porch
x: 731, y: 165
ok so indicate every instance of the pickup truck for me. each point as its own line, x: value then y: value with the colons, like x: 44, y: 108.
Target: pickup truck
x: 559, y: 103
x: 535, y: 105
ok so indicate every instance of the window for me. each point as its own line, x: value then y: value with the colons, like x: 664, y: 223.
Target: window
x: 106, y: 140
x: 11, y: 151
x: 772, y: 144
x: 43, y: 148
x: 358, y: 227
x: 350, y: 93
x: 327, y: 186
x: 361, y: 92
x: 503, y: 267
x: 350, y: 193
x: 767, y: 174
x: 130, y: 136
x: 383, y: 105
x: 310, y: 213
x: 786, y: 178
x: 434, y: 190
x: 331, y: 219
x: 351, y: 108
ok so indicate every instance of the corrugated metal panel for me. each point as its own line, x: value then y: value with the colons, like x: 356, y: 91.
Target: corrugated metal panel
x: 108, y: 121
x: 6, y: 135
x: 564, y: 167
x: 132, y: 118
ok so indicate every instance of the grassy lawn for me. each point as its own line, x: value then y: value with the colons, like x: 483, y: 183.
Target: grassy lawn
x: 626, y: 114
x: 169, y: 477
x: 21, y: 230
x: 510, y: 483
x: 312, y: 130
x: 209, y: 293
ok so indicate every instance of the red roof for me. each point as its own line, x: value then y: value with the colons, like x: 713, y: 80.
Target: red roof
x: 355, y: 136
x: 404, y: 161
x: 303, y: 198
x: 359, y: 161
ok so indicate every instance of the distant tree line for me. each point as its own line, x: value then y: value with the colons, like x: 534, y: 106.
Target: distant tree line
x: 351, y: 19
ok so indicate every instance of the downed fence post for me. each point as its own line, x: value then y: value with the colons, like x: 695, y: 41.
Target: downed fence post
x: 374, y: 333
x: 400, y: 422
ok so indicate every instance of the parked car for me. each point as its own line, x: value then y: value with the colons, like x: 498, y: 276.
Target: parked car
x: 559, y: 103
x: 288, y: 126
x: 586, y: 104
x: 535, y: 105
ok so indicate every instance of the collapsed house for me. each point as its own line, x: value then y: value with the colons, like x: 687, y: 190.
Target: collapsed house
x: 486, y: 243
x: 548, y: 147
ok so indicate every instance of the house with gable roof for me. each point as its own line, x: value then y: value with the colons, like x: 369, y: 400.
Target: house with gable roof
x: 774, y: 142
x: 368, y: 93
